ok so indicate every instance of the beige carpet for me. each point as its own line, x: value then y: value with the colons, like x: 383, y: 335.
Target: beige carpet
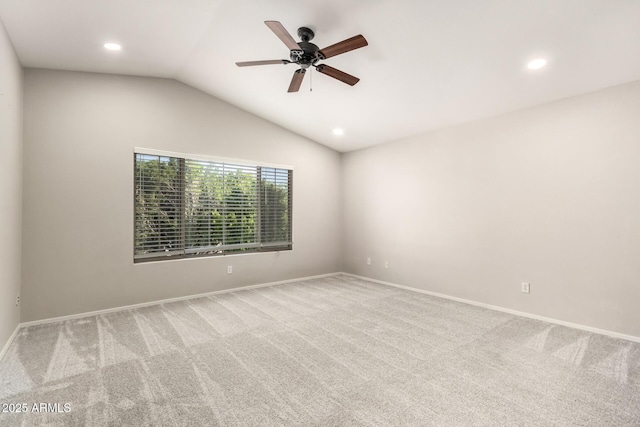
x: 336, y: 351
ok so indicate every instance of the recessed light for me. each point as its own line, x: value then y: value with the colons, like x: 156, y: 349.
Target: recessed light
x: 112, y: 46
x: 536, y: 64
x: 338, y: 132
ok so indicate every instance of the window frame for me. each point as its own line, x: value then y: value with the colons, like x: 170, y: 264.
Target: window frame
x: 252, y: 248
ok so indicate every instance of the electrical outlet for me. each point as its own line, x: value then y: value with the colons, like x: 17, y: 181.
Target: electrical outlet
x: 229, y: 269
x: 368, y: 261
x: 386, y: 264
x: 525, y: 287
x: 18, y: 300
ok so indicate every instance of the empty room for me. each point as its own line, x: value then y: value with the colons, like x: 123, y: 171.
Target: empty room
x: 320, y: 213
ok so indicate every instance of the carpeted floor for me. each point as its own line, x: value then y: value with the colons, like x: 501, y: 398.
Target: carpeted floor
x: 336, y: 351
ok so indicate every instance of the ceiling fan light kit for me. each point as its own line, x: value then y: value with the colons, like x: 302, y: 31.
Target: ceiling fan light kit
x: 306, y: 54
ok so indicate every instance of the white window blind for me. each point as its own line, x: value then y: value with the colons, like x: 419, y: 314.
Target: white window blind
x: 191, y: 207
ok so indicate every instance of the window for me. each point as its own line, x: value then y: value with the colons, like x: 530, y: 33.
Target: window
x: 187, y: 207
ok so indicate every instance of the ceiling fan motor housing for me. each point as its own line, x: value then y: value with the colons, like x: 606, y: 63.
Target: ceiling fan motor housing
x: 306, y: 56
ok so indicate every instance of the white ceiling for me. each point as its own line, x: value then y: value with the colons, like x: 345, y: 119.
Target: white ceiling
x: 429, y: 64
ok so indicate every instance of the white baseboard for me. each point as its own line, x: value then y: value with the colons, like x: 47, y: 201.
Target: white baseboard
x: 164, y: 301
x: 262, y: 285
x: 505, y: 310
x: 9, y: 341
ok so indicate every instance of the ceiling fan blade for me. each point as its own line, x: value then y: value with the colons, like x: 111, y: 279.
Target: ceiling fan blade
x: 347, y: 45
x: 282, y: 34
x: 337, y: 74
x: 296, y: 80
x: 266, y: 62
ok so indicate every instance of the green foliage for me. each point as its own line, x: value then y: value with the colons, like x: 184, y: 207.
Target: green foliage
x: 158, y: 212
x: 274, y: 218
x: 220, y: 207
x: 205, y: 207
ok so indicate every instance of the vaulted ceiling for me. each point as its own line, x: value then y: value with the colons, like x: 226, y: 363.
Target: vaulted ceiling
x: 429, y: 64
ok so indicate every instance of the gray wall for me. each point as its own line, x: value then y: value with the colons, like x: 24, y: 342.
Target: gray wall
x: 10, y: 186
x: 80, y: 130
x: 549, y: 195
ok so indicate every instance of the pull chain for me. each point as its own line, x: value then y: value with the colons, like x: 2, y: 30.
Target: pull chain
x: 311, y: 79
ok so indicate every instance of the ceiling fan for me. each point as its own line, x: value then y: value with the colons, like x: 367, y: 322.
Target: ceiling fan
x: 306, y: 54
